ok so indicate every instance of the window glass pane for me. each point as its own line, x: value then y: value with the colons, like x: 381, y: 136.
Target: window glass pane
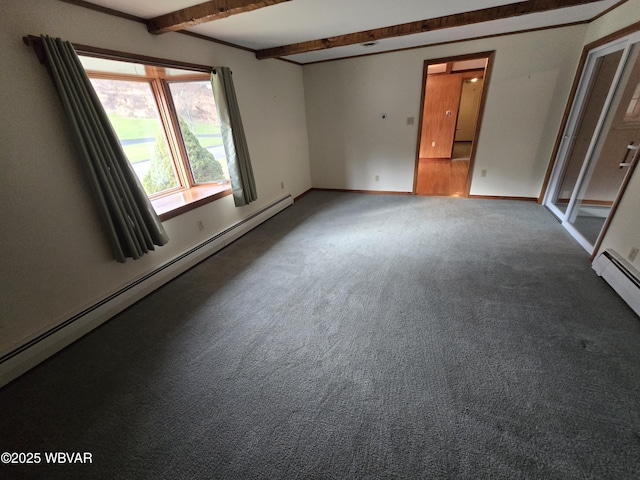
x: 200, y: 130
x: 111, y: 66
x: 133, y: 112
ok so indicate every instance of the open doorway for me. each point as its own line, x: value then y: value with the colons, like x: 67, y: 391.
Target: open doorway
x: 453, y: 95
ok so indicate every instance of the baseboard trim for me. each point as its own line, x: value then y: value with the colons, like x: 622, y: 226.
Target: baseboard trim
x: 20, y: 360
x: 499, y: 197
x: 378, y: 192
x: 389, y: 192
x: 621, y: 276
x: 302, y: 195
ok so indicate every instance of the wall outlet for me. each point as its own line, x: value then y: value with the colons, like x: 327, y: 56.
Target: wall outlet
x: 483, y: 173
x: 633, y: 254
x: 282, y: 185
x: 377, y: 178
x: 410, y: 120
x: 200, y: 225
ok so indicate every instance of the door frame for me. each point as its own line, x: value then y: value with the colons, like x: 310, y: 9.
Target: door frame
x: 572, y: 96
x: 490, y: 56
x: 563, y: 142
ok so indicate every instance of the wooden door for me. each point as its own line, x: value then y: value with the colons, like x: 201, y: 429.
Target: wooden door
x: 440, y: 115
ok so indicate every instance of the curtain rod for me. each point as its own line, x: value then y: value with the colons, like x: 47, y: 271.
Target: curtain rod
x: 36, y: 43
x: 86, y: 50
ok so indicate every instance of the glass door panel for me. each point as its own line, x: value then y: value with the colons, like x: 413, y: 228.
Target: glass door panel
x: 613, y: 152
x: 600, y: 144
x: 603, y: 74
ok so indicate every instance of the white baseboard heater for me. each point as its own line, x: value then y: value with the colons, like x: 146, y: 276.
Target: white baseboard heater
x: 622, y: 277
x: 18, y: 361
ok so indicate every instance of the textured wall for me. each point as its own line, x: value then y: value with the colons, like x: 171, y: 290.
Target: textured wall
x: 530, y: 82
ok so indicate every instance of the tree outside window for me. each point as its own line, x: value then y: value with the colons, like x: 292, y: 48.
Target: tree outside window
x: 166, y: 122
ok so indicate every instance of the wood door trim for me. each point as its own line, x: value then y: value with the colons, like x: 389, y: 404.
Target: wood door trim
x: 490, y: 56
x: 614, y: 209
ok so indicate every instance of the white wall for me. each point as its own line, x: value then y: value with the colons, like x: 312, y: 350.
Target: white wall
x: 527, y: 92
x: 349, y: 142
x: 624, y: 231
x: 625, y: 15
x: 54, y: 260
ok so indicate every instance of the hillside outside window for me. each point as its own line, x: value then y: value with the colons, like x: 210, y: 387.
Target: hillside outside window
x: 168, y: 126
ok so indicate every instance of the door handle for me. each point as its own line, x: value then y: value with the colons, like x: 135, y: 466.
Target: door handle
x: 630, y: 148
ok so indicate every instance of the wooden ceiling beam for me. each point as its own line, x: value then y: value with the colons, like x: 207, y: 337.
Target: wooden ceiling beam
x: 439, y: 23
x: 203, y: 13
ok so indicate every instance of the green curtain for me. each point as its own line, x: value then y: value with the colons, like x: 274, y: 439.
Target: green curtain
x: 243, y: 184
x: 132, y: 223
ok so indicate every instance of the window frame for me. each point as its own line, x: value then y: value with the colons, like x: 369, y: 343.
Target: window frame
x: 188, y: 195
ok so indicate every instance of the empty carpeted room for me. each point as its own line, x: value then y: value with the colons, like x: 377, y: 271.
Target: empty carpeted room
x: 300, y: 309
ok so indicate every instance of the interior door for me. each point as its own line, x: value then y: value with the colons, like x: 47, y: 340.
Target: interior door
x: 600, y: 146
x: 440, y: 115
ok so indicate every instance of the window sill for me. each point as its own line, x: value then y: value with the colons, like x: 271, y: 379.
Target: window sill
x: 175, y: 204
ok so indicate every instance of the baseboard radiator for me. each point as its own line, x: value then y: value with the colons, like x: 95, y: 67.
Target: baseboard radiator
x: 622, y: 277
x: 16, y: 362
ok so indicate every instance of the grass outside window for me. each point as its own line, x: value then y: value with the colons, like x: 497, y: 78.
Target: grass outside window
x: 167, y: 124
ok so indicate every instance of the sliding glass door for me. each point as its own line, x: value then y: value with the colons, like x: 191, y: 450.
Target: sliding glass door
x: 599, y: 146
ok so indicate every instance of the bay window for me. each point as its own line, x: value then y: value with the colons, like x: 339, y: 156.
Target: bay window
x: 166, y: 121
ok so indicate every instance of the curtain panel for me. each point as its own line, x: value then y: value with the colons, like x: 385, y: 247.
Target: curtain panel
x: 132, y: 225
x: 243, y: 185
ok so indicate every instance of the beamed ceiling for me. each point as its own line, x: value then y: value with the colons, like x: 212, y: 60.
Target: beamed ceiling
x: 307, y: 31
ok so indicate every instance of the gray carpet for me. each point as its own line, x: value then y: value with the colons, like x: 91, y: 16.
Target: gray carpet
x: 354, y: 336
x: 589, y: 227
